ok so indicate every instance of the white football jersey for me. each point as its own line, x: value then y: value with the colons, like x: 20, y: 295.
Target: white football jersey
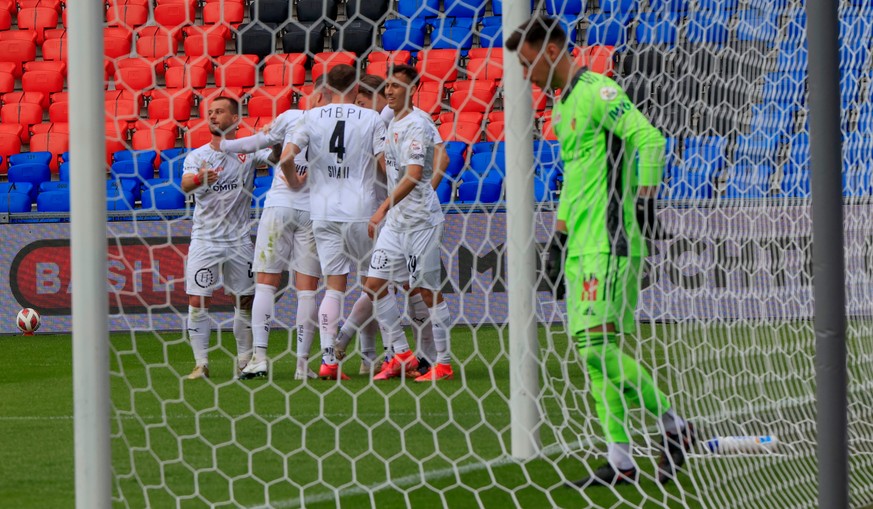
x: 410, y: 141
x: 279, y: 195
x: 343, y: 141
x: 387, y: 115
x: 222, y: 214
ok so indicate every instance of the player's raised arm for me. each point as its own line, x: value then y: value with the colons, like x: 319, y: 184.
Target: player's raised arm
x: 194, y: 176
x: 249, y: 144
x: 289, y: 169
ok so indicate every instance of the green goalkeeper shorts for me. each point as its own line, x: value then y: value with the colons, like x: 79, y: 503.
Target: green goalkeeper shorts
x: 601, y: 288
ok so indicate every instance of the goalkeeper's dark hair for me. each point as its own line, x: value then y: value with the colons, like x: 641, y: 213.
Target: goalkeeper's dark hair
x: 410, y: 72
x: 234, y: 103
x: 372, y: 84
x: 537, y: 31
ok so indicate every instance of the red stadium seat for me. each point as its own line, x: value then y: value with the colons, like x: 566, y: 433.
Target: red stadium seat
x: 171, y: 104
x: 18, y: 35
x: 47, y: 81
x: 122, y: 104
x: 55, y: 5
x: 378, y: 62
x: 9, y: 144
x: 134, y: 75
x: 127, y: 15
x: 51, y: 127
x: 285, y: 58
x: 600, y: 59
x: 494, y: 130
x: 37, y: 19
x: 55, y: 33
x: 539, y: 98
x: 60, y: 67
x: 117, y: 134
x: 223, y: 13
x: 7, y: 82
x: 473, y: 96
x: 326, y: 61
x: 264, y: 106
x: 24, y: 114
x: 548, y: 130
x: 157, y: 44
x: 429, y: 97
x: 174, y: 15
x: 9, y: 6
x: 207, y: 94
x: 243, y: 130
x: 461, y: 130
x: 117, y: 42
x: 220, y: 30
x: 485, y: 69
x: 439, y: 65
x: 185, y: 76
x: 55, y: 49
x: 154, y: 136
x: 470, y: 117
x: 59, y: 112
x: 205, y: 43
x: 55, y: 142
x: 198, y: 134
x: 27, y: 97
x: 284, y: 75
x: 17, y: 52
x: 488, y: 53
x: 236, y: 71
x: 5, y: 19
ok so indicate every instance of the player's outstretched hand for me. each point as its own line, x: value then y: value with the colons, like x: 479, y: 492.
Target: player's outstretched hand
x: 209, y: 175
x: 555, y: 262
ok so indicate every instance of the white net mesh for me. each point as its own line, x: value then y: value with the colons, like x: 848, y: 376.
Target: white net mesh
x: 724, y: 311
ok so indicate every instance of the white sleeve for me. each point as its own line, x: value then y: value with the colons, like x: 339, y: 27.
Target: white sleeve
x: 191, y: 164
x: 248, y: 144
x: 414, y: 147
x: 435, y: 132
x: 299, y: 135
x: 379, y: 135
x: 262, y: 157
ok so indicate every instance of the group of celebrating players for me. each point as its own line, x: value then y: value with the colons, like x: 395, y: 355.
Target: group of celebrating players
x: 354, y: 189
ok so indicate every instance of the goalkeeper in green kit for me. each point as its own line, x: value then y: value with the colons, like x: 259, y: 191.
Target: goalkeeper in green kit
x: 613, y: 159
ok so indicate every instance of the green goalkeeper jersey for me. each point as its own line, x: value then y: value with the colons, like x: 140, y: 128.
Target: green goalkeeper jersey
x: 609, y: 149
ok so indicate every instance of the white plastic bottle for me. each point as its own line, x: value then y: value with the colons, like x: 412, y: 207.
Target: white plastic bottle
x: 742, y: 444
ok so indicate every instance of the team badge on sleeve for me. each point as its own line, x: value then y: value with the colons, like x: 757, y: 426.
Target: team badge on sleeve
x: 608, y: 93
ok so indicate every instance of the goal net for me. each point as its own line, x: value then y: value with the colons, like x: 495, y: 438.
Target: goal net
x: 724, y: 321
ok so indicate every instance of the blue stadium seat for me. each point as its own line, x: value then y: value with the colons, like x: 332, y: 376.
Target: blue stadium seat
x: 541, y: 190
x: 756, y: 149
x: 856, y: 180
x: 64, y: 174
x: 570, y: 24
x: 418, y: 8
x: 703, y: 152
x: 54, y: 185
x: 172, y: 154
x: 33, y: 173
x: 607, y: 29
x: 455, y: 147
x: 119, y: 199
x: 163, y: 195
x: 132, y: 187
x: 690, y: 184
x: 444, y: 191
x: 795, y: 182
x: 480, y: 191
x: 464, y: 8
x: 171, y: 169
x: 129, y: 155
x: 618, y: 6
x: 491, y: 33
x: 14, y: 202
x: 718, y: 5
x: 565, y: 7
x: 142, y: 167
x: 656, y: 28
x: 774, y: 118
x: 403, y: 34
x: 491, y: 174
x: 757, y: 26
x: 552, y: 174
x: 668, y: 5
x: 856, y: 149
x: 30, y: 158
x: 488, y: 146
x: 485, y: 163
x: 19, y: 187
x: 546, y: 151
x: 749, y: 181
x: 798, y: 150
x: 784, y: 87
x: 795, y: 27
x: 708, y: 28
x: 791, y: 58
x: 259, y: 195
x: 452, y: 33
x: 65, y: 157
x: 53, y: 201
x: 264, y: 181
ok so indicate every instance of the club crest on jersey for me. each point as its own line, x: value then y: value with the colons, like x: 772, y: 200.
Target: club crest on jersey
x: 608, y: 93
x: 241, y: 157
x: 589, y: 289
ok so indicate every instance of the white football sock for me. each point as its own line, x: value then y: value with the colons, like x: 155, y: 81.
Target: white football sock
x: 367, y: 337
x: 242, y: 331
x: 329, y: 313
x: 262, y: 314
x: 390, y: 324
x: 620, y: 456
x: 442, y: 326
x: 307, y: 322
x: 422, y: 327
x: 198, y: 333
x: 361, y: 313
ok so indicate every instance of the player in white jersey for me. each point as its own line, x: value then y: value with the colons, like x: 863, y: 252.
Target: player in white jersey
x: 221, y: 248
x: 412, y: 233
x: 371, y: 94
x: 345, y: 144
x: 285, y: 242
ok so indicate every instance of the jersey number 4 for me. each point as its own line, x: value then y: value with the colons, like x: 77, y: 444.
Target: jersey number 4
x: 337, y: 143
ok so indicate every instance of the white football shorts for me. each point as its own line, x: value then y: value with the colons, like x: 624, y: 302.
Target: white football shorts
x: 342, y: 246
x: 209, y: 266
x: 416, y: 253
x: 285, y: 242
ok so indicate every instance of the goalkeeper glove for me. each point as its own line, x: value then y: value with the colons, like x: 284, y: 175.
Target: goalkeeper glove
x: 648, y: 219
x: 555, y: 263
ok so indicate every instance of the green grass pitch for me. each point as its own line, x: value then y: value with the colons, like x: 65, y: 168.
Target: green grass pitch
x: 227, y: 443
